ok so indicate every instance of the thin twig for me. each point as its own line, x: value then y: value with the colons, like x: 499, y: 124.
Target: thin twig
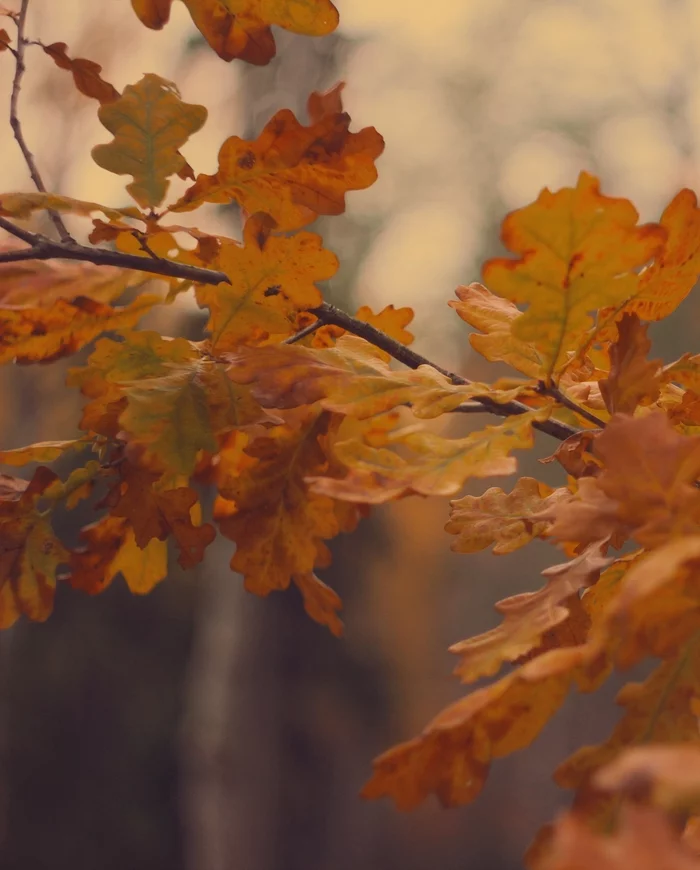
x: 46, y: 249
x: 307, y: 330
x: 331, y: 314
x: 555, y: 393
x: 57, y: 220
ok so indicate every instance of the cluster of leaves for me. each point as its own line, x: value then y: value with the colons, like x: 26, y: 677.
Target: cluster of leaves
x: 293, y: 413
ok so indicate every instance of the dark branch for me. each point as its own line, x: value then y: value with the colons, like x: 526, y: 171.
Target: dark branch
x: 556, y: 393
x: 307, y: 330
x: 17, y: 127
x: 331, y: 314
x: 46, y: 249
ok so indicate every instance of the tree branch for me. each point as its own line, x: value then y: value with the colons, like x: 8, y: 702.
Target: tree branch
x: 63, y: 233
x: 563, y: 399
x: 331, y: 314
x: 46, y: 249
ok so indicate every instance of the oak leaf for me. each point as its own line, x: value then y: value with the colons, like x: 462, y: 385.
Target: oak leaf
x: 241, y: 28
x: 30, y: 553
x: 434, y: 465
x: 290, y: 172
x: 577, y: 253
x: 86, y: 73
x: 278, y: 526
x: 527, y: 616
x: 29, y: 334
x: 633, y: 379
x: 500, y: 518
x: 351, y: 378
x: 321, y: 602
x: 149, y: 123
x: 272, y: 279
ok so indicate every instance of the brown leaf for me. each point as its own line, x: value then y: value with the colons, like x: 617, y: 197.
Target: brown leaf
x: 633, y: 379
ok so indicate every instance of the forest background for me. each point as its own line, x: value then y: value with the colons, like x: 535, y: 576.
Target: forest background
x: 201, y: 728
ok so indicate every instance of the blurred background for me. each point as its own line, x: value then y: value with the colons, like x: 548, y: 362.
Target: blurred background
x: 199, y: 728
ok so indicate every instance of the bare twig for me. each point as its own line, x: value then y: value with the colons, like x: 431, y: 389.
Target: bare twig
x: 307, y: 330
x: 26, y: 236
x: 556, y: 393
x: 57, y: 220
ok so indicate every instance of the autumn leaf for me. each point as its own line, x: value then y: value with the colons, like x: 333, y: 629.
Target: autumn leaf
x: 453, y: 755
x: 290, y: 172
x: 500, y: 518
x: 527, y: 616
x: 40, y: 283
x: 30, y: 553
x: 577, y: 253
x: 633, y: 379
x: 22, y: 206
x: 674, y: 272
x: 86, y: 73
x: 390, y: 320
x: 278, y: 526
x: 435, y: 465
x: 272, y: 279
x: 321, y: 602
x: 241, y: 28
x: 43, y: 451
x: 159, y: 513
x: 495, y: 317
x: 30, y: 334
x: 149, y: 123
x: 660, y: 504
x: 142, y: 568
x: 350, y: 378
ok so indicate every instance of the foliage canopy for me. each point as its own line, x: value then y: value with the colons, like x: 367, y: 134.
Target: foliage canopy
x: 295, y: 414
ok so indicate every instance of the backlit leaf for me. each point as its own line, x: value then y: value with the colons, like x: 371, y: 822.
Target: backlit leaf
x: 291, y: 172
x: 150, y: 123
x: 577, y: 253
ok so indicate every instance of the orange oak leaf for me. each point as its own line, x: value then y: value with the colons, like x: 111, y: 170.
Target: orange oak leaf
x: 29, y: 334
x: 527, y: 616
x: 149, y: 123
x: 577, y: 252
x: 5, y: 40
x: 43, y: 451
x: 501, y: 518
x: 141, y: 567
x: 644, y: 840
x: 241, y: 28
x: 30, y: 553
x: 452, y: 756
x: 494, y: 317
x: 155, y: 513
x: 433, y: 465
x: 321, y: 602
x: 351, y: 378
x: 674, y: 272
x: 633, y: 379
x: 660, y: 504
x: 277, y: 524
x: 22, y: 205
x: 272, y: 279
x: 86, y: 73
x: 390, y: 320
x: 291, y: 172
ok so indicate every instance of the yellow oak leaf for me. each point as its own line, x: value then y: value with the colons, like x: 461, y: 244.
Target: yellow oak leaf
x: 149, y: 123
x: 290, y: 172
x: 494, y: 317
x: 43, y: 451
x: 577, y: 252
x: 30, y: 334
x: 501, y: 518
x: 433, y: 465
x: 142, y: 568
x: 22, y: 205
x: 272, y: 279
x: 527, y: 616
x: 351, y: 378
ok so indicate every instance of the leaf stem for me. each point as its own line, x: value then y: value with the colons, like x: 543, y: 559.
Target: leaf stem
x: 22, y: 42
